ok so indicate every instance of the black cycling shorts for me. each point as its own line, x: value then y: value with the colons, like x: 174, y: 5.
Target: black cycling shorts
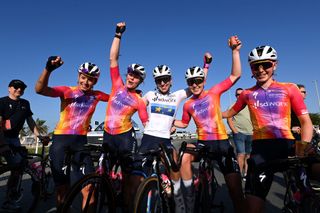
x: 258, y: 182
x: 122, y: 147
x: 74, y: 144
x: 223, y: 153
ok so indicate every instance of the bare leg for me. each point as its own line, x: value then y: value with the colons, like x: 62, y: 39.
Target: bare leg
x: 241, y: 161
x: 233, y: 181
x: 61, y: 192
x: 254, y: 204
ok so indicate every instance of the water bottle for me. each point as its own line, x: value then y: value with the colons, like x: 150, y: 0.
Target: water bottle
x: 166, y: 184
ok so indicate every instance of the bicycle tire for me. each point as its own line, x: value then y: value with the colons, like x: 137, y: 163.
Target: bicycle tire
x: 148, y: 198
x: 28, y: 193
x: 104, y: 196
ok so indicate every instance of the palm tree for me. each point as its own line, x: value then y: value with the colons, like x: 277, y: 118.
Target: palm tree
x: 42, y: 128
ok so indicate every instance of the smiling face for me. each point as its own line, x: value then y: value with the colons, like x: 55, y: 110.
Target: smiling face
x: 86, y: 83
x: 133, y: 80
x: 196, y: 85
x: 263, y: 71
x: 15, y: 92
x: 163, y: 84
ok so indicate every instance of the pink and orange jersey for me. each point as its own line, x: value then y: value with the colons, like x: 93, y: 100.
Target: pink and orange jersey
x: 206, y: 113
x: 122, y: 105
x: 76, y: 109
x: 270, y: 109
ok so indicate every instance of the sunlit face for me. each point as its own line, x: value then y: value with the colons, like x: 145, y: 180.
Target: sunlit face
x: 86, y: 83
x: 163, y: 83
x: 262, y: 71
x: 133, y: 80
x: 303, y: 92
x: 196, y: 85
x: 15, y: 92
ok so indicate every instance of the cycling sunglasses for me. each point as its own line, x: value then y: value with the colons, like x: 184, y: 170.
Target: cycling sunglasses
x: 19, y: 86
x: 265, y: 65
x: 164, y: 79
x: 196, y: 81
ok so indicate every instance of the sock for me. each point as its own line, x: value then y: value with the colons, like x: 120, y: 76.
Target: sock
x: 187, y: 183
x: 176, y: 186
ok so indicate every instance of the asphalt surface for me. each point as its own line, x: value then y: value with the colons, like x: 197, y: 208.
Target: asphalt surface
x: 274, y: 202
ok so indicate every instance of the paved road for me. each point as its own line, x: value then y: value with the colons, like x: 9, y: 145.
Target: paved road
x: 274, y: 199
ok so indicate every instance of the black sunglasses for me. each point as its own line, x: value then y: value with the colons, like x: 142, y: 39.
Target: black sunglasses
x: 196, y: 81
x: 18, y: 86
x: 265, y: 65
x: 303, y: 92
x: 164, y: 79
x: 237, y: 95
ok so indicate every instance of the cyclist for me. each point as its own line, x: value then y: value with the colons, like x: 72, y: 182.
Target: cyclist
x: 162, y: 107
x: 270, y: 104
x: 77, y: 107
x: 204, y: 108
x: 14, y: 111
x: 125, y: 100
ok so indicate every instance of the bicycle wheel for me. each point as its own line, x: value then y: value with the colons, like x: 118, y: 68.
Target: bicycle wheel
x: 100, y: 196
x: 24, y: 197
x: 148, y: 199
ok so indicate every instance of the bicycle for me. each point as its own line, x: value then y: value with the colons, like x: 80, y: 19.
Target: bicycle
x: 35, y: 168
x: 100, y: 187
x: 302, y: 194
x: 155, y: 193
x: 205, y: 182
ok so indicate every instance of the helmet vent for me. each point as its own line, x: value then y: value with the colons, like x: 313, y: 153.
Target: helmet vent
x: 269, y: 50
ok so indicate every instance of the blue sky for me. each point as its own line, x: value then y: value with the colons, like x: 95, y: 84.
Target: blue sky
x: 171, y: 32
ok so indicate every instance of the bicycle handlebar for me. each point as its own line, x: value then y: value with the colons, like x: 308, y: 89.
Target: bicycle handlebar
x: 281, y: 165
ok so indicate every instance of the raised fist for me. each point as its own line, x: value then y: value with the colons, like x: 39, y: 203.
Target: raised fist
x: 121, y: 27
x: 207, y: 58
x: 234, y: 42
x: 53, y: 63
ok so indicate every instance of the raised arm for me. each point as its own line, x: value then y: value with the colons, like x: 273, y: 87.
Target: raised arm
x: 235, y: 45
x: 115, y: 47
x: 42, y: 84
x: 207, y: 59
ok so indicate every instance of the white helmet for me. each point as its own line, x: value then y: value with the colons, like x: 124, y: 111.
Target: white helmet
x: 161, y: 70
x: 194, y: 72
x: 262, y: 53
x: 138, y: 69
x: 90, y: 70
